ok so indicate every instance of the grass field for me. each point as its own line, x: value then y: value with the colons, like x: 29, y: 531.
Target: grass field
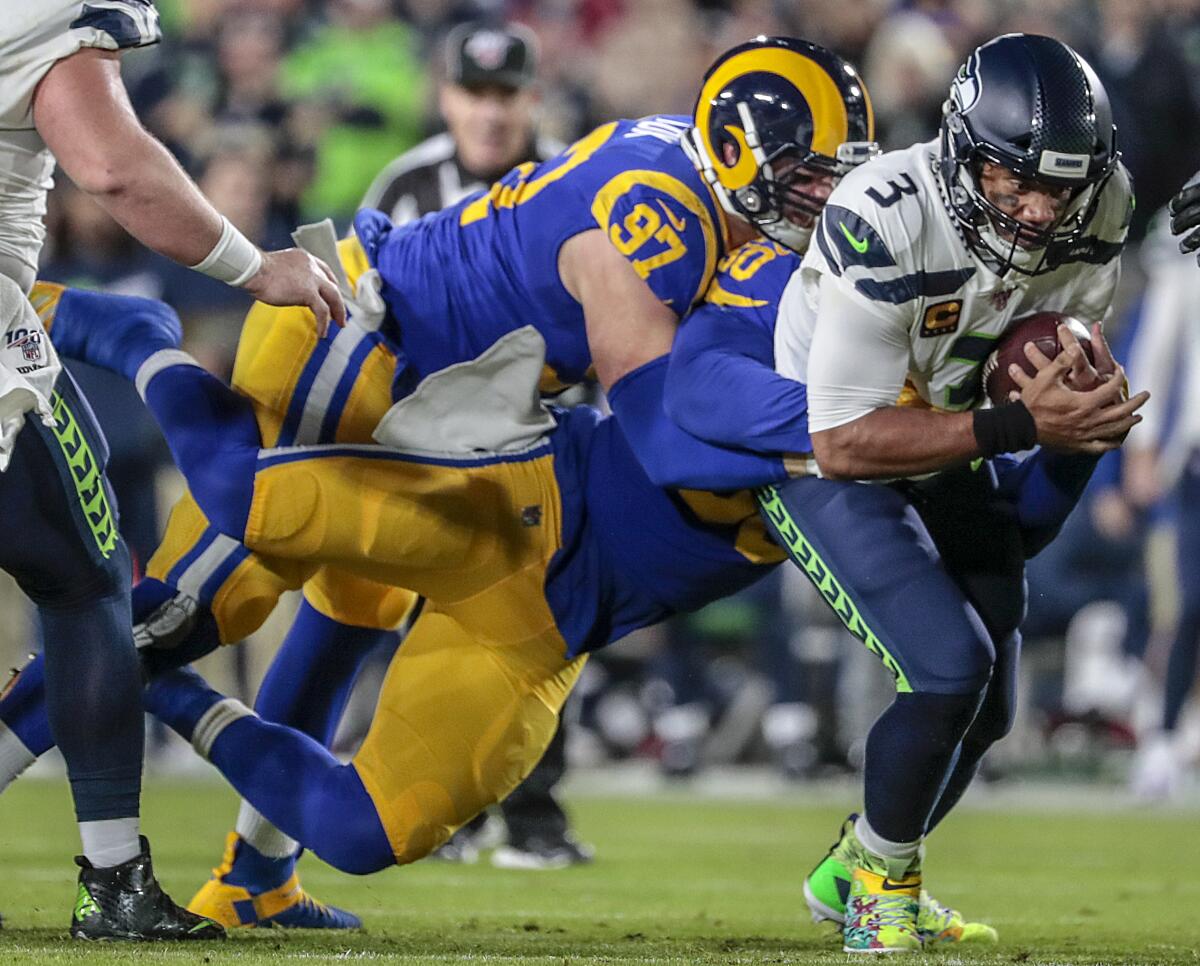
x: 678, y: 880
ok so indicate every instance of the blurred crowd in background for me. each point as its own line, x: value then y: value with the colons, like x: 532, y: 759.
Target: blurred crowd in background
x: 285, y: 111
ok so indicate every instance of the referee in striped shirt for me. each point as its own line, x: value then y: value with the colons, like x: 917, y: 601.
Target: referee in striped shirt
x: 488, y: 99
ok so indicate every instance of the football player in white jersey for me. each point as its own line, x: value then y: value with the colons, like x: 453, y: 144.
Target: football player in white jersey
x: 61, y: 97
x: 921, y: 260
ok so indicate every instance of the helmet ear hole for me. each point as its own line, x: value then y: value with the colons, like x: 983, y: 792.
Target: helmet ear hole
x: 731, y: 151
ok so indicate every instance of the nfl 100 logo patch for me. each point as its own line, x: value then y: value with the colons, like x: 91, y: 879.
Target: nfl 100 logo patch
x: 29, y: 342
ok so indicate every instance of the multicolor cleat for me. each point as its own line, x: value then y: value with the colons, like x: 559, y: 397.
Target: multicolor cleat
x: 286, y: 905
x: 940, y: 925
x: 881, y: 914
x: 827, y: 892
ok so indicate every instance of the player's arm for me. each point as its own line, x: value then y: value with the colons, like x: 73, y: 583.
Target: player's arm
x: 83, y: 113
x: 672, y: 457
x: 857, y: 366
x: 627, y: 324
x: 79, y: 318
x: 722, y: 385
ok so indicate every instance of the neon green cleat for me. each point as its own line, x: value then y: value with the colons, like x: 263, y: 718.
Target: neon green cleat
x: 881, y: 915
x: 940, y: 926
x: 827, y: 891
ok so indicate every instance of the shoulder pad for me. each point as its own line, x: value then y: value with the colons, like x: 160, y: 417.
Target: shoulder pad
x: 753, y: 277
x: 872, y: 234
x: 665, y: 230
x: 119, y: 24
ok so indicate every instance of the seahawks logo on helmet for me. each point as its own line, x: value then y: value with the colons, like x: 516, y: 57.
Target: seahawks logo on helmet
x: 966, y: 87
x: 777, y: 122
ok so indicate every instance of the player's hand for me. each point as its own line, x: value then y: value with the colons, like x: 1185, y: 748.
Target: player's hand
x: 294, y: 277
x: 1094, y: 421
x: 1082, y: 375
x: 1185, y: 214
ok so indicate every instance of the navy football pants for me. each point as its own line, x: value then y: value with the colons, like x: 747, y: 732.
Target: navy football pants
x: 62, y: 547
x: 930, y: 577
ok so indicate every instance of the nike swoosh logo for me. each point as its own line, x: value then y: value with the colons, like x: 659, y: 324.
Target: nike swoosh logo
x: 858, y: 246
x: 676, y: 222
x: 889, y: 886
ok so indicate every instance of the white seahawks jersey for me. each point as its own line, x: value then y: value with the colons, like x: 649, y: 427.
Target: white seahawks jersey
x: 888, y: 293
x: 34, y: 35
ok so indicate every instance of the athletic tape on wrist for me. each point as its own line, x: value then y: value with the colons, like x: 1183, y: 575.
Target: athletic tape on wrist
x: 234, y: 258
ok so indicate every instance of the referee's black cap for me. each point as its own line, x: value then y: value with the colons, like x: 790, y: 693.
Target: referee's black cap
x: 480, y: 54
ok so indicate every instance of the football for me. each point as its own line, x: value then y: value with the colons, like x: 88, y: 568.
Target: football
x: 1041, y: 329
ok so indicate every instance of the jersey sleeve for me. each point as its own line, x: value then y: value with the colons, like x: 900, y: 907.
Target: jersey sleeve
x: 39, y: 33
x: 844, y: 328
x: 664, y: 229
x: 721, y: 383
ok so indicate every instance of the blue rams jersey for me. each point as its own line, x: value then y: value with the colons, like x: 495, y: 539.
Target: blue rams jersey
x: 633, y: 553
x: 459, y: 279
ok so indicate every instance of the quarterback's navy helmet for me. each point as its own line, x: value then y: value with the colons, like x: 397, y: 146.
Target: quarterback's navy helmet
x: 772, y: 114
x: 1032, y: 105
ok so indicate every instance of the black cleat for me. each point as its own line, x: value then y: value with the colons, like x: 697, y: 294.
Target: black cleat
x: 126, y: 902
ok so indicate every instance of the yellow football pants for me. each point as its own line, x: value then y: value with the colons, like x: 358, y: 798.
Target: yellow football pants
x: 275, y: 365
x: 460, y: 722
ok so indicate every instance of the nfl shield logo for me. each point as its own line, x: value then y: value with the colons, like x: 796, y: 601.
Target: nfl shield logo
x: 31, y: 348
x: 1000, y: 298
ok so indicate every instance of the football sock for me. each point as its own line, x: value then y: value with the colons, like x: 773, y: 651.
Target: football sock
x: 910, y: 750
x: 1181, y: 664
x: 211, y: 432
x: 15, y: 756
x: 266, y: 839
x: 110, y: 842
x: 24, y: 720
x: 182, y: 700
x: 114, y: 332
x: 313, y: 672
x: 898, y: 856
x: 992, y: 722
x: 92, y: 687
x: 256, y: 871
x: 290, y: 779
x: 306, y: 688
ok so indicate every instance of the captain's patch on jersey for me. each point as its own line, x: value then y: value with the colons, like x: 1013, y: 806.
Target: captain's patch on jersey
x: 941, y: 318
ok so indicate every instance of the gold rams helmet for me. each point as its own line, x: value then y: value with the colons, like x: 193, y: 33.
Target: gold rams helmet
x: 771, y: 114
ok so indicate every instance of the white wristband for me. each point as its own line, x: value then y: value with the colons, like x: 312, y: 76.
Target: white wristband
x: 234, y: 258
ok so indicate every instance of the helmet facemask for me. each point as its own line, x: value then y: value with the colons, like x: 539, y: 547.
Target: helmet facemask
x: 779, y: 200
x: 1003, y: 241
